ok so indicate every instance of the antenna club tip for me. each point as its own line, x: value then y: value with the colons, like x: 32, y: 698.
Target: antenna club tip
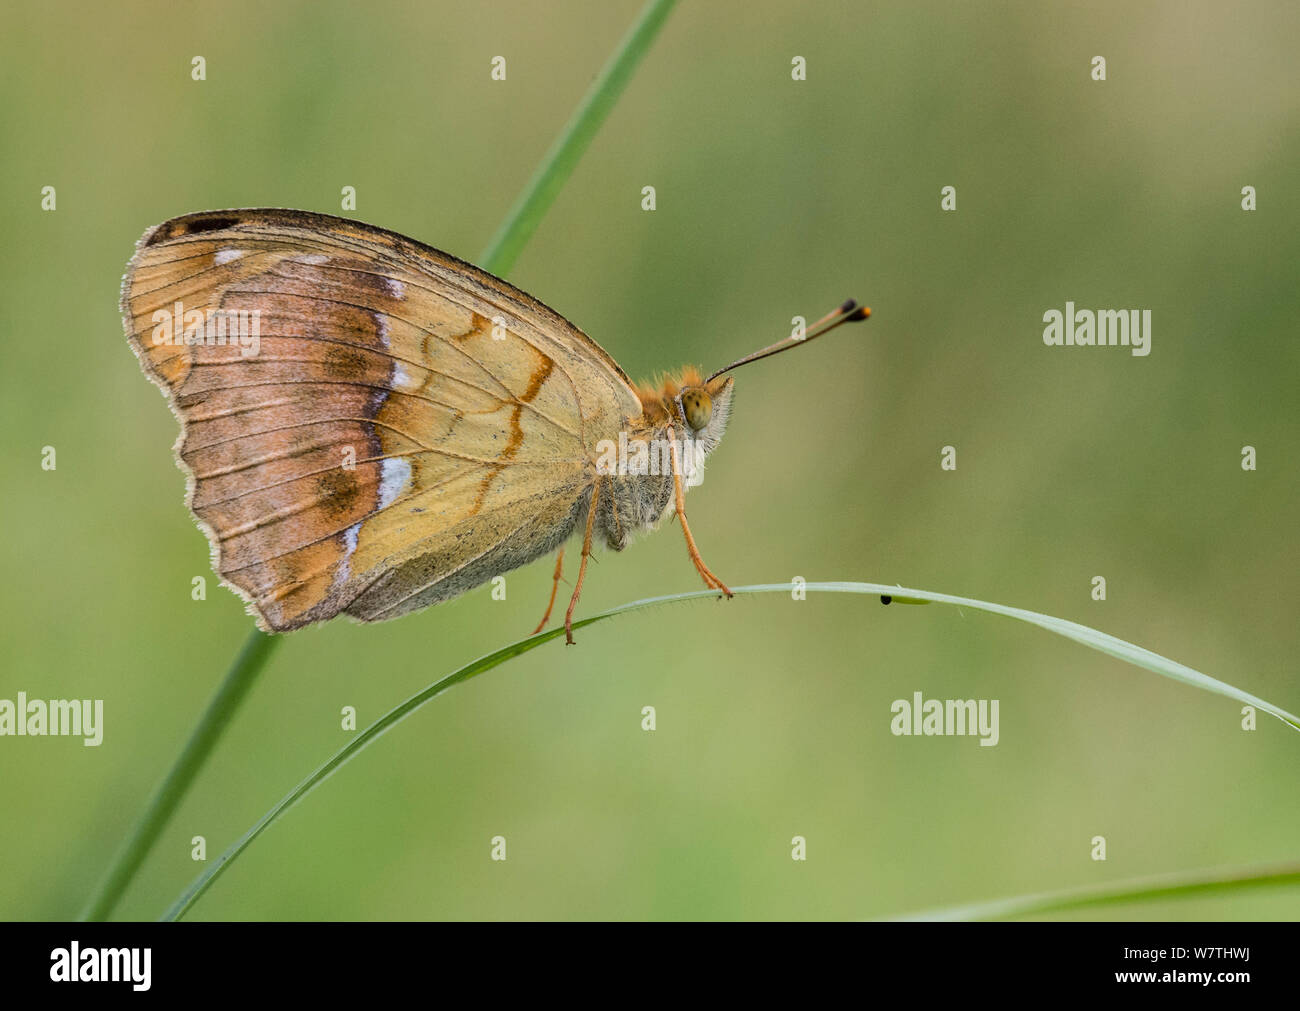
x: 862, y: 312
x: 848, y: 305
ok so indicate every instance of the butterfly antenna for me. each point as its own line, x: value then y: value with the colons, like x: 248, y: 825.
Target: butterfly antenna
x: 849, y: 312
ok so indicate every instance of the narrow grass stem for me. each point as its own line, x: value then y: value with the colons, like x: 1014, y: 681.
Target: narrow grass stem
x: 221, y: 710
x: 1149, y: 889
x: 562, y: 158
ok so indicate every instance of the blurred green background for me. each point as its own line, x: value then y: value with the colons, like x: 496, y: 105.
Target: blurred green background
x: 775, y: 198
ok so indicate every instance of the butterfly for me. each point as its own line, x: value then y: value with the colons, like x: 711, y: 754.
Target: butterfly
x: 370, y: 426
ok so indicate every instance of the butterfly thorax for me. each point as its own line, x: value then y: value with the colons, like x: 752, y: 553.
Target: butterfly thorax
x: 635, y: 472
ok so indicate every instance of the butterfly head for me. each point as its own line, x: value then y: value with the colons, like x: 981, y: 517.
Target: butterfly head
x: 697, y: 409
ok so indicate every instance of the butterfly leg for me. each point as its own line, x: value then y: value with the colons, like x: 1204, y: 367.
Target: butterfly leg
x: 710, y: 580
x: 559, y: 571
x: 582, y: 565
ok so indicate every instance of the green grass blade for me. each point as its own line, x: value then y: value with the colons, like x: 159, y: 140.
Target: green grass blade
x: 1100, y: 641
x: 203, y: 738
x: 1108, y: 644
x: 498, y: 258
x: 1151, y: 889
x: 562, y: 158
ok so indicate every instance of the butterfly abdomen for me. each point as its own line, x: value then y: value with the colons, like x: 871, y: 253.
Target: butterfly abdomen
x: 632, y: 504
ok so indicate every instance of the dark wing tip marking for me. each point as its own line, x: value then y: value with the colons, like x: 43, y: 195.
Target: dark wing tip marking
x: 190, y: 224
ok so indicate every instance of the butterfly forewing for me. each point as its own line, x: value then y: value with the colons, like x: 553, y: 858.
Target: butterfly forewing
x: 390, y: 427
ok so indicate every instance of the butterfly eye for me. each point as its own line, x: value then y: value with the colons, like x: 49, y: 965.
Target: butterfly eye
x: 697, y: 407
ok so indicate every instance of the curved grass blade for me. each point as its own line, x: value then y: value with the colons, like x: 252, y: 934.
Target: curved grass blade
x: 1151, y: 889
x: 1108, y: 644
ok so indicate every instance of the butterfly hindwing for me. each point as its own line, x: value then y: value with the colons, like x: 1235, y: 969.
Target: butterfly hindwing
x: 368, y: 425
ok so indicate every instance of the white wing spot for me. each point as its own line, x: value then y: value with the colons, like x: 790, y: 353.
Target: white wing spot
x: 403, y: 380
x: 226, y: 255
x: 350, y: 547
x: 314, y: 259
x: 395, y: 287
x: 396, y: 474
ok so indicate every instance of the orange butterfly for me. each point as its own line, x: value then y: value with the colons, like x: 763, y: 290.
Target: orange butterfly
x: 370, y: 426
